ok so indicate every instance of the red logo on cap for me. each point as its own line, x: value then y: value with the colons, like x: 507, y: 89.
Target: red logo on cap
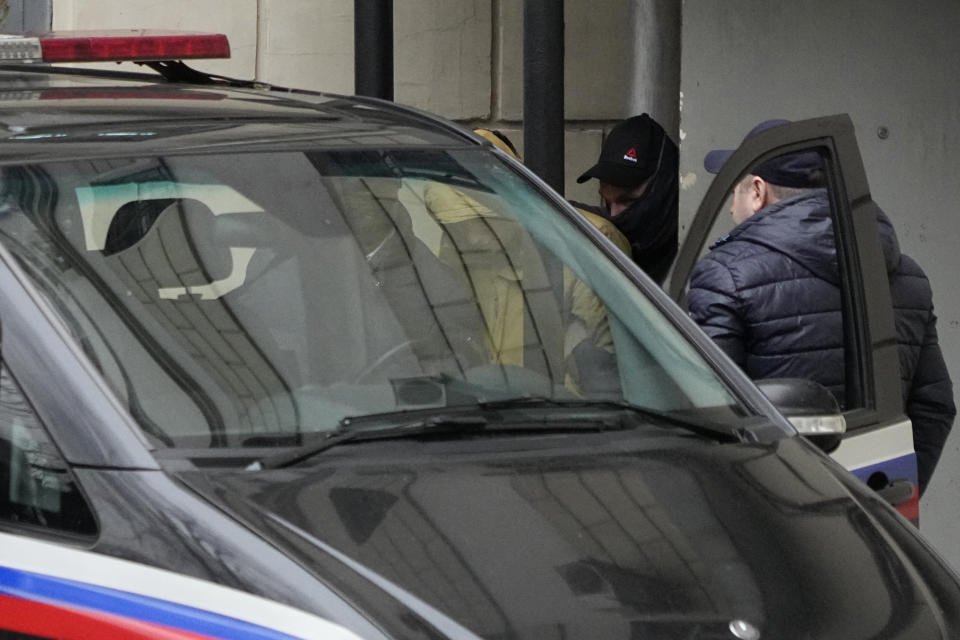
x: 631, y: 155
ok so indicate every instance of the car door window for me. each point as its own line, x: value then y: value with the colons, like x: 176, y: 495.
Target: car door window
x: 37, y: 489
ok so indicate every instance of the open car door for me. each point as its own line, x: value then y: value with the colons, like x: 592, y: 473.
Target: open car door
x: 878, y: 445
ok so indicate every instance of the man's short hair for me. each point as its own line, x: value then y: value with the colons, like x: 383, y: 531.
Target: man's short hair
x: 779, y: 191
x: 782, y: 193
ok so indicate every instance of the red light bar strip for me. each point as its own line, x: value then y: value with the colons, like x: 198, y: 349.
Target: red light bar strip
x: 131, y: 46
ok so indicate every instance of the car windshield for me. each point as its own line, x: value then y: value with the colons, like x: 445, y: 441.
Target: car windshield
x: 250, y: 298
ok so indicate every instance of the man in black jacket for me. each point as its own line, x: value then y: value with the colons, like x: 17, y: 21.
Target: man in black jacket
x: 769, y: 294
x: 638, y: 171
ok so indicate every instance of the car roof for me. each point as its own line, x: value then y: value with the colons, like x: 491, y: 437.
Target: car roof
x: 80, y: 113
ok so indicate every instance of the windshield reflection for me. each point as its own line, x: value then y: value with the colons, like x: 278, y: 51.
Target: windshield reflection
x: 248, y: 299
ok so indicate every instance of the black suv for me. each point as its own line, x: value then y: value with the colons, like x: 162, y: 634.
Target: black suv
x: 348, y: 356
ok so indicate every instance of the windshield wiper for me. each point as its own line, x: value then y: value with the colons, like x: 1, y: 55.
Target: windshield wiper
x: 580, y: 415
x: 347, y: 433
x: 459, y: 420
x: 713, y: 430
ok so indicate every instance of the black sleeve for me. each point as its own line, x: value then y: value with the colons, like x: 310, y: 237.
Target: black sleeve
x: 930, y: 405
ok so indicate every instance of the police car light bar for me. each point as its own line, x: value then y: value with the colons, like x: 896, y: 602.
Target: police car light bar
x: 136, y: 45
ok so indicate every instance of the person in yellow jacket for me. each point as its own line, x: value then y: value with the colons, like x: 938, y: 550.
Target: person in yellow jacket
x: 481, y: 244
x: 488, y: 247
x: 605, y: 227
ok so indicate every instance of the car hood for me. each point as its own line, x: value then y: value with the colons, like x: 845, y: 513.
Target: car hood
x: 597, y: 538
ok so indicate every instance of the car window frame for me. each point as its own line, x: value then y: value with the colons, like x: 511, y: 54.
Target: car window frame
x: 80, y: 413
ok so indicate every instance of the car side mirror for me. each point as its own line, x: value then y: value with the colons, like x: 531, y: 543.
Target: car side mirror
x: 810, y: 407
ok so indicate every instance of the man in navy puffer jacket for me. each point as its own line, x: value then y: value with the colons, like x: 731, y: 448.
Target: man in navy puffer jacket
x: 769, y: 294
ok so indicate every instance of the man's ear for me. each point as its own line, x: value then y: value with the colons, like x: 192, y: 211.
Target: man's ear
x: 760, y: 195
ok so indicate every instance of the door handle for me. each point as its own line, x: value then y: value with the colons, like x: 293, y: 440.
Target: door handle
x: 898, y: 492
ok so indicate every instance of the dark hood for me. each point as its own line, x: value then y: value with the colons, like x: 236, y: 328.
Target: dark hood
x: 609, y: 540
x: 801, y: 228
x: 650, y: 224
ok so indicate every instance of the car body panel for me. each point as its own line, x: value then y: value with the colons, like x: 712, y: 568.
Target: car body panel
x: 610, y: 535
x: 91, y: 121
x: 50, y: 590
x: 886, y: 450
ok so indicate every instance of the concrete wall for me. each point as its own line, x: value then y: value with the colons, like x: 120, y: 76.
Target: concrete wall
x: 23, y: 16
x: 887, y: 64
x: 462, y: 59
x: 622, y: 57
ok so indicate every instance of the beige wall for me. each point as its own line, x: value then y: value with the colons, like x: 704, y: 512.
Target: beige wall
x: 462, y: 59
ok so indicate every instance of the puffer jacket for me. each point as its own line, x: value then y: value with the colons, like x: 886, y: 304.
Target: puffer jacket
x: 769, y: 294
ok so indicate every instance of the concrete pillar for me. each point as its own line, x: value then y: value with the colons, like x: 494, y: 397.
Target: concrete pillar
x: 25, y: 16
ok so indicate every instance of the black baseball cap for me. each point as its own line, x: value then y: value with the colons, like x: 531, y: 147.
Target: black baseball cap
x: 799, y: 170
x: 630, y: 154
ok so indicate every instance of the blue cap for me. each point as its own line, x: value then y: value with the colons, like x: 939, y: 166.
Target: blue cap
x: 800, y: 170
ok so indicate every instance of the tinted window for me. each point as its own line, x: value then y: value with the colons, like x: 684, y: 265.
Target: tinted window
x: 36, y: 487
